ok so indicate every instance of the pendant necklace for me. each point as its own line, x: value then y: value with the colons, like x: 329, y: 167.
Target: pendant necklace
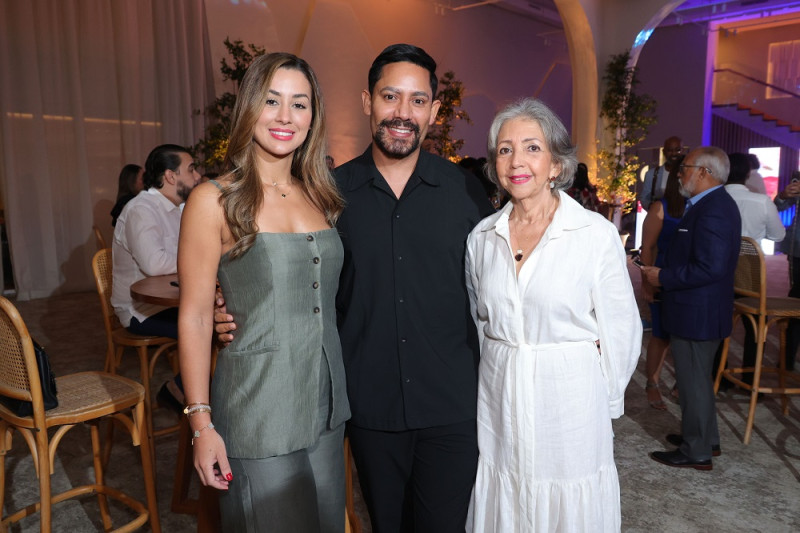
x: 276, y: 185
x: 520, y: 253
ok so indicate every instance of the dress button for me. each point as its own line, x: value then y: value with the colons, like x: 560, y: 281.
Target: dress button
x: 403, y: 340
x: 315, y: 285
x: 401, y: 300
x: 399, y: 257
x: 316, y: 310
x: 310, y: 238
x: 316, y: 260
x: 408, y: 380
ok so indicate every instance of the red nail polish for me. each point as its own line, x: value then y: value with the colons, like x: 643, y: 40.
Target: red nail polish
x: 229, y: 476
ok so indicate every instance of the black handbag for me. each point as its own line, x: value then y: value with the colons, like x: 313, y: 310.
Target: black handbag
x: 49, y: 392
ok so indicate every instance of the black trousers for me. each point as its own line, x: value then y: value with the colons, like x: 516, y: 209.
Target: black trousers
x: 417, y: 480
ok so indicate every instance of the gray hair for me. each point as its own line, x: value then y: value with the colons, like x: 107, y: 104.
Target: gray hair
x: 555, y: 136
x: 715, y: 160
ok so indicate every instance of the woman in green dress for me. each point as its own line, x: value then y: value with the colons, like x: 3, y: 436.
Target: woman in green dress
x: 268, y: 430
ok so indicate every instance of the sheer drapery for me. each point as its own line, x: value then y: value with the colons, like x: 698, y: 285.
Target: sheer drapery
x: 87, y: 86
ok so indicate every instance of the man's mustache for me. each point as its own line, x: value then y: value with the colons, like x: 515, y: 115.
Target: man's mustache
x: 400, y: 123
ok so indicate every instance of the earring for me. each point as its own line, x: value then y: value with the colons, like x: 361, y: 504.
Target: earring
x: 552, y: 183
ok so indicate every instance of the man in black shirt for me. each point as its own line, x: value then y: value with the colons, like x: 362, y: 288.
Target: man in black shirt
x: 409, y: 343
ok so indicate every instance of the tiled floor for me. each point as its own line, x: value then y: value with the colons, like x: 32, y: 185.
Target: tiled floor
x: 752, y: 488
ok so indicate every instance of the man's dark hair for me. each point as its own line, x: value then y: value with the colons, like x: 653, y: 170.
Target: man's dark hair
x: 755, y: 164
x: 399, y: 53
x: 740, y: 168
x: 161, y: 158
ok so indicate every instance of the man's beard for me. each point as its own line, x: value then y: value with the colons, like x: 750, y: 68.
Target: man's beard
x: 687, y: 191
x: 183, y: 191
x: 396, y: 148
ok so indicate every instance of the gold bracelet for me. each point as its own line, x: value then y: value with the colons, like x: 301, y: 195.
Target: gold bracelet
x: 198, y: 410
x: 196, y: 434
x: 189, y: 409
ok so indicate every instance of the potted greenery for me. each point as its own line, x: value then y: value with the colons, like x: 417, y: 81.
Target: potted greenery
x: 450, y: 93
x: 628, y: 117
x: 211, y: 148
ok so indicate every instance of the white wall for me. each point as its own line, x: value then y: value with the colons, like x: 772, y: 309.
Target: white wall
x: 498, y: 55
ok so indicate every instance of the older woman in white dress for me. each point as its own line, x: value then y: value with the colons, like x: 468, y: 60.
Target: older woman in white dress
x: 560, y: 337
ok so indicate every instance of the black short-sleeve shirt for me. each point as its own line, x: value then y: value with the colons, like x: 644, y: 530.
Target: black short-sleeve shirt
x: 409, y: 343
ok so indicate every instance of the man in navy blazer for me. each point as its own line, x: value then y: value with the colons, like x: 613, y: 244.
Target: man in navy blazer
x: 697, y: 300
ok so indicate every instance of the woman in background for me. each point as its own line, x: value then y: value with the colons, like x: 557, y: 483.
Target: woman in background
x: 265, y: 229
x: 657, y: 230
x: 582, y: 190
x: 130, y: 184
x: 560, y: 338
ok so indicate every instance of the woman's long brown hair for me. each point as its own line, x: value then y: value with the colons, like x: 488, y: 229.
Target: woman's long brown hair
x: 242, y: 198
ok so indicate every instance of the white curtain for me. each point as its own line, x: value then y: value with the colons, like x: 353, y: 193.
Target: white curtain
x: 87, y: 86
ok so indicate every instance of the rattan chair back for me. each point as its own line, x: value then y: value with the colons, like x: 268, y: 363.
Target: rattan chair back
x: 750, y: 278
x: 102, y: 269
x: 19, y: 375
x: 99, y: 239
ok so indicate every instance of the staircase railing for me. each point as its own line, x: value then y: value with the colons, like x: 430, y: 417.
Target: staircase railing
x: 734, y: 87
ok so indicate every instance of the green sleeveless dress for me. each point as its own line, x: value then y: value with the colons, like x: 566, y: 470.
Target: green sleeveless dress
x: 286, y: 353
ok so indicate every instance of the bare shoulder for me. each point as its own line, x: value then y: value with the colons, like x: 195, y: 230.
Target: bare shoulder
x: 204, y: 203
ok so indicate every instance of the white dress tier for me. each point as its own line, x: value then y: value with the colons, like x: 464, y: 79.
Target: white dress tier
x: 546, y: 394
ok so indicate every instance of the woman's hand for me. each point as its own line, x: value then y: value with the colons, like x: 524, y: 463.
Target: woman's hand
x: 209, y: 450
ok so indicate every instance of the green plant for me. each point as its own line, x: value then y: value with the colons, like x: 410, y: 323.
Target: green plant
x: 450, y: 94
x: 211, y: 148
x: 628, y: 116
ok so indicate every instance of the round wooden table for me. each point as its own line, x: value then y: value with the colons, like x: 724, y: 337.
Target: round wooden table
x: 159, y: 290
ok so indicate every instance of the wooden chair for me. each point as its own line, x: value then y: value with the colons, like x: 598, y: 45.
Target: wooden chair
x: 98, y: 237
x: 352, y: 523
x: 762, y: 311
x: 118, y: 338
x: 85, y: 397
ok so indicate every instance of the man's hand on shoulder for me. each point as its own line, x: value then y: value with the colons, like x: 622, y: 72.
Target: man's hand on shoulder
x: 223, y: 322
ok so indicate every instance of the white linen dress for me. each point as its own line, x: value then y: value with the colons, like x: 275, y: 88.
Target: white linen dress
x: 546, y: 397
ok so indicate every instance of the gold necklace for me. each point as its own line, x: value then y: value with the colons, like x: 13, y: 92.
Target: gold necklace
x: 275, y: 185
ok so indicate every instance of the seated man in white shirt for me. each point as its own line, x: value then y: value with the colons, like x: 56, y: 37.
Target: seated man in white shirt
x: 146, y: 241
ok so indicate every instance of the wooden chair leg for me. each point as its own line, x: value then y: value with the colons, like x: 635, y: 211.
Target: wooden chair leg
x: 5, y: 446
x: 45, y: 494
x: 184, y: 466
x: 144, y: 372
x: 208, y: 517
x: 350, y: 509
x: 148, y: 466
x: 107, y: 442
x: 99, y: 477
x: 722, y: 362
x: 783, y: 325
x: 760, y: 341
